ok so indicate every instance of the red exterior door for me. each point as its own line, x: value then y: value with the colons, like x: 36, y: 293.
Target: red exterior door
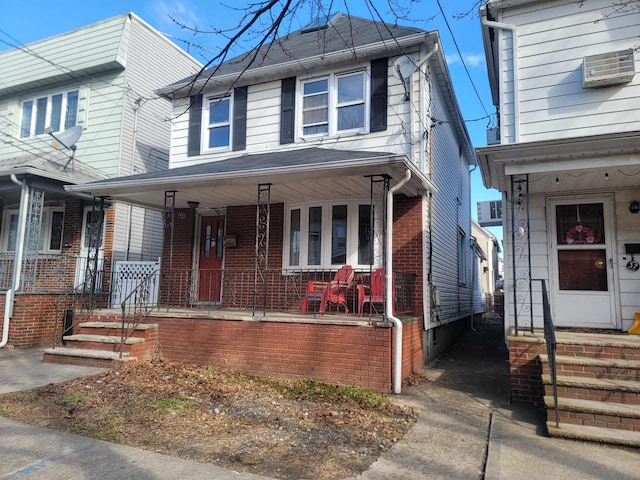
x: 210, y: 261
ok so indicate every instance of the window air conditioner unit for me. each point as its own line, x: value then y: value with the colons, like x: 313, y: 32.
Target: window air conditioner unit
x: 493, y: 136
x: 611, y: 68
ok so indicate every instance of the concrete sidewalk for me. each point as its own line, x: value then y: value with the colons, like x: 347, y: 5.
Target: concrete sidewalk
x: 467, y: 429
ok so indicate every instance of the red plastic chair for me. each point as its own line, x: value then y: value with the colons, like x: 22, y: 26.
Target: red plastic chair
x: 372, y: 294
x: 334, y: 292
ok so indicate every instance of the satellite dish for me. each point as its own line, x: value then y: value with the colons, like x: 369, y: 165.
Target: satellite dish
x: 66, y: 139
x: 404, y: 67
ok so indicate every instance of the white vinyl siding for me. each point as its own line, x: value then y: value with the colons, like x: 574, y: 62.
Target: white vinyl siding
x: 552, y: 41
x: 263, y: 124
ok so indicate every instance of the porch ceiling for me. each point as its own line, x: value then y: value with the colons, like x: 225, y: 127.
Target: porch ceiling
x: 601, y: 162
x: 294, y: 175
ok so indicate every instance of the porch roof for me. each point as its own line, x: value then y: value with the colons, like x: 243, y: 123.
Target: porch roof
x: 294, y: 175
x: 48, y: 173
x: 565, y: 164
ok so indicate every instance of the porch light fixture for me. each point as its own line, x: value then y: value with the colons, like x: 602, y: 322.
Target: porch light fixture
x: 634, y: 207
x: 193, y: 204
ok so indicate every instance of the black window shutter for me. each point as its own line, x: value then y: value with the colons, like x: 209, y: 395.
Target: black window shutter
x: 288, y: 110
x: 378, y: 120
x: 195, y: 125
x: 239, y: 118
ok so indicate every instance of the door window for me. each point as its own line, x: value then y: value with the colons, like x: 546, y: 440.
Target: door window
x: 580, y: 237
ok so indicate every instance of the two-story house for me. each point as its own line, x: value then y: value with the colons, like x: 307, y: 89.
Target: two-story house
x: 564, y: 80
x: 77, y: 107
x: 317, y: 207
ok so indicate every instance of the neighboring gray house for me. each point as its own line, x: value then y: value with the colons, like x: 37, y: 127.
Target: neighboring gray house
x: 342, y: 144
x: 77, y: 107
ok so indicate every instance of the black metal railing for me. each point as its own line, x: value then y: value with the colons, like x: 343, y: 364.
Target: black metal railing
x: 286, y: 290
x: 77, y: 304
x: 136, y: 306
x: 550, y: 340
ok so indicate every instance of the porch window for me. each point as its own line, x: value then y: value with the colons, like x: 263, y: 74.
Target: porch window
x: 335, y: 104
x: 58, y: 111
x: 51, y: 230
x: 328, y: 235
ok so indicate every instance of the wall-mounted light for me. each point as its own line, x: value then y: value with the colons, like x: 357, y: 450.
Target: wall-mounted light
x: 193, y: 204
x: 634, y: 207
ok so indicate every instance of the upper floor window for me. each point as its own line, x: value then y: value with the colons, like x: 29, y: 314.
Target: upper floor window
x: 58, y: 111
x: 219, y: 122
x: 325, y: 235
x: 335, y: 104
x: 51, y: 230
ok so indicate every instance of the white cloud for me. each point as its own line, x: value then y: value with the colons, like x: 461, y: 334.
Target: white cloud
x: 181, y: 11
x: 472, y: 60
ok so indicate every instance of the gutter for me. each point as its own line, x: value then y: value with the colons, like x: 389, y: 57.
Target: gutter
x: 101, y: 188
x: 514, y: 45
x: 17, y: 259
x: 388, y: 273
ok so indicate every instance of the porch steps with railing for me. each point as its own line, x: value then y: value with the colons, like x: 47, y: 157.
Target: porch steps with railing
x: 598, y: 385
x: 98, y: 344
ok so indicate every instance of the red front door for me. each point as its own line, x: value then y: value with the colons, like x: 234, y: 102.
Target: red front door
x: 210, y: 261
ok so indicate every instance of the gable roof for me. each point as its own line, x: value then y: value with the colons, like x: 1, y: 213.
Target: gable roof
x: 343, y: 38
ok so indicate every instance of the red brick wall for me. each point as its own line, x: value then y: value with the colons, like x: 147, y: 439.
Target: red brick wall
x: 412, y: 356
x: 525, y: 369
x: 407, y: 242
x: 340, y: 354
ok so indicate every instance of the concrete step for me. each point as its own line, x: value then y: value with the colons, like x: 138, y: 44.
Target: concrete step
x: 86, y: 357
x: 619, y: 369
x: 143, y: 330
x: 594, y: 434
x: 595, y: 413
x: 101, y: 339
x: 617, y: 346
x: 597, y: 389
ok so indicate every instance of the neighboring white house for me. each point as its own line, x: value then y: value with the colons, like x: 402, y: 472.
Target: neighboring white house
x: 564, y: 80
x: 489, y: 266
x: 89, y: 90
x: 325, y: 126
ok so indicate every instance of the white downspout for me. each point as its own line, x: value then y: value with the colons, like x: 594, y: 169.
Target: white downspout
x: 514, y: 44
x: 17, y: 260
x: 397, y: 351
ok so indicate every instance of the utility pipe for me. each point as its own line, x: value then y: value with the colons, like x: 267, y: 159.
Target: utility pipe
x: 397, y: 354
x: 17, y: 259
x: 514, y: 45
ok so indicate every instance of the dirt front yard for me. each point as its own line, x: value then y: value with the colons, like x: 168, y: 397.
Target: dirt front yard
x: 267, y: 426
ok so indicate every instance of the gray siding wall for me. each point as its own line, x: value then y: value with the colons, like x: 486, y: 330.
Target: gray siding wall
x: 451, y: 214
x: 152, y: 62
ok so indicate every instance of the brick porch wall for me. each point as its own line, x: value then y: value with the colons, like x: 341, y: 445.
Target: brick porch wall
x: 526, y: 370
x: 359, y: 355
x: 33, y: 320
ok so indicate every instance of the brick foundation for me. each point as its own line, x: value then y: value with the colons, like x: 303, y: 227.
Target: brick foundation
x: 525, y: 369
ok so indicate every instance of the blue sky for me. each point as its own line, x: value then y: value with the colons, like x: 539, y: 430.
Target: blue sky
x: 49, y: 18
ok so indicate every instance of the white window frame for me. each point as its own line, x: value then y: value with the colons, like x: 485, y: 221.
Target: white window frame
x: 45, y: 229
x: 325, y: 256
x: 207, y: 126
x: 333, y: 105
x: 33, y: 120
x: 462, y: 257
